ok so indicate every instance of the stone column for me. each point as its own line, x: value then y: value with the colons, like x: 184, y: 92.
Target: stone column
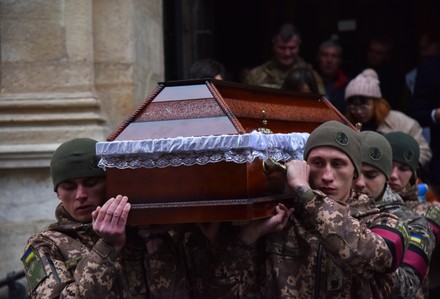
x: 68, y: 68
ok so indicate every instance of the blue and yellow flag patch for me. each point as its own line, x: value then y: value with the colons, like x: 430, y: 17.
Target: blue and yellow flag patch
x: 416, y: 238
x: 34, y: 267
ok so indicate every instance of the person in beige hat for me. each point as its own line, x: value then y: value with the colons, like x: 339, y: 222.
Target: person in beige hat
x: 365, y: 105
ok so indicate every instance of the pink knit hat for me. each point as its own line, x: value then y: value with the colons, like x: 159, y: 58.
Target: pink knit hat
x: 365, y: 84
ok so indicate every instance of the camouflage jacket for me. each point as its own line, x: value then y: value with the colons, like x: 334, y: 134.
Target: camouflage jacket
x: 431, y: 211
x: 328, y: 249
x: 69, y: 260
x: 411, y: 274
x: 269, y: 75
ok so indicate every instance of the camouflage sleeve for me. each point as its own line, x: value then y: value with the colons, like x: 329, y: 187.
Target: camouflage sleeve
x: 50, y: 276
x: 165, y: 271
x: 223, y: 268
x: 356, y: 248
x: 433, y: 216
x: 431, y: 211
x: 234, y: 269
x: 414, y: 268
x: 96, y: 273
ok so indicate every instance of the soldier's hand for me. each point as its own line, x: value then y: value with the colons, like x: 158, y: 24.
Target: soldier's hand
x: 251, y: 232
x: 297, y: 174
x: 109, y: 221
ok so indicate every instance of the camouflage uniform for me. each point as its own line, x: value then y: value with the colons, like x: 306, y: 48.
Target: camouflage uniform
x: 414, y: 268
x: 328, y: 249
x: 430, y: 210
x: 69, y: 260
x: 269, y: 75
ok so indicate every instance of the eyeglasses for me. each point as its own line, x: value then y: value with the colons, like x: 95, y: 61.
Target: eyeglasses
x: 362, y: 107
x: 359, y: 102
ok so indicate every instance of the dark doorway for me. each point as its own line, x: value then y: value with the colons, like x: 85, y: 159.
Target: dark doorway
x: 238, y: 33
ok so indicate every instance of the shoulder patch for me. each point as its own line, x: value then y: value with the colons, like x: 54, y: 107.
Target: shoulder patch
x: 34, y: 268
x: 416, y: 238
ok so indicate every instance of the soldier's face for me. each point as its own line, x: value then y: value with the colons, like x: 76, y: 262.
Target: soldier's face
x: 371, y: 181
x: 331, y: 172
x: 80, y: 197
x: 285, y: 53
x: 400, y: 176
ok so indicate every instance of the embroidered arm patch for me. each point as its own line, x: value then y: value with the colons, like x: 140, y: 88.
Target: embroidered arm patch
x: 34, y: 268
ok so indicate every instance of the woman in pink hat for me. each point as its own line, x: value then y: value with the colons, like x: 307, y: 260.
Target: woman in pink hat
x: 365, y: 105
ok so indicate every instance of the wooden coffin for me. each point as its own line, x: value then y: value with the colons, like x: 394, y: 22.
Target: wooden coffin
x: 193, y: 151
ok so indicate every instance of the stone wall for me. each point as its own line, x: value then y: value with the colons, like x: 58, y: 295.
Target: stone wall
x: 68, y: 68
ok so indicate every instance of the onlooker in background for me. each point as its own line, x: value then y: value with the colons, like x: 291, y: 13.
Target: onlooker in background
x: 426, y: 100
x: 381, y: 57
x: 427, y: 50
x: 365, y: 105
x: 285, y: 47
x: 207, y: 69
x: 301, y: 79
x: 329, y: 61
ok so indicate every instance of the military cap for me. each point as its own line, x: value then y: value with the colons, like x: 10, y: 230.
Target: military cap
x: 376, y: 151
x: 338, y: 135
x: 75, y: 159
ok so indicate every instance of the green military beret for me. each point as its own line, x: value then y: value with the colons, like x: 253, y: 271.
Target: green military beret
x: 376, y: 151
x: 405, y: 149
x: 75, y: 159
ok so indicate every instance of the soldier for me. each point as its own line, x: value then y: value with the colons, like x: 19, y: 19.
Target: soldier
x: 285, y: 47
x: 89, y: 252
x: 373, y: 181
x: 404, y: 181
x: 335, y: 244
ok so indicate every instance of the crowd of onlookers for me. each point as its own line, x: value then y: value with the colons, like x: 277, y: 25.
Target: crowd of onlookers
x: 394, y: 99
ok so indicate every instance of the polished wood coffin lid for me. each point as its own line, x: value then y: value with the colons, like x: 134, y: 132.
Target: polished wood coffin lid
x: 220, y: 191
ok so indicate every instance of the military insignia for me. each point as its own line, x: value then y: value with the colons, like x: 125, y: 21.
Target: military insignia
x: 374, y: 153
x: 416, y: 238
x: 408, y: 155
x: 341, y: 138
x: 34, y: 267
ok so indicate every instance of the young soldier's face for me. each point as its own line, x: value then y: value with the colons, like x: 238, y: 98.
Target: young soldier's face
x: 80, y: 197
x: 371, y: 181
x: 400, y: 176
x: 331, y: 171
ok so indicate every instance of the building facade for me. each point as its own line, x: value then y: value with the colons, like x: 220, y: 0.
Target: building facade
x: 68, y: 68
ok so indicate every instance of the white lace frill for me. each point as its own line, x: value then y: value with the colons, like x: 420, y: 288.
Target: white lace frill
x: 189, y: 151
